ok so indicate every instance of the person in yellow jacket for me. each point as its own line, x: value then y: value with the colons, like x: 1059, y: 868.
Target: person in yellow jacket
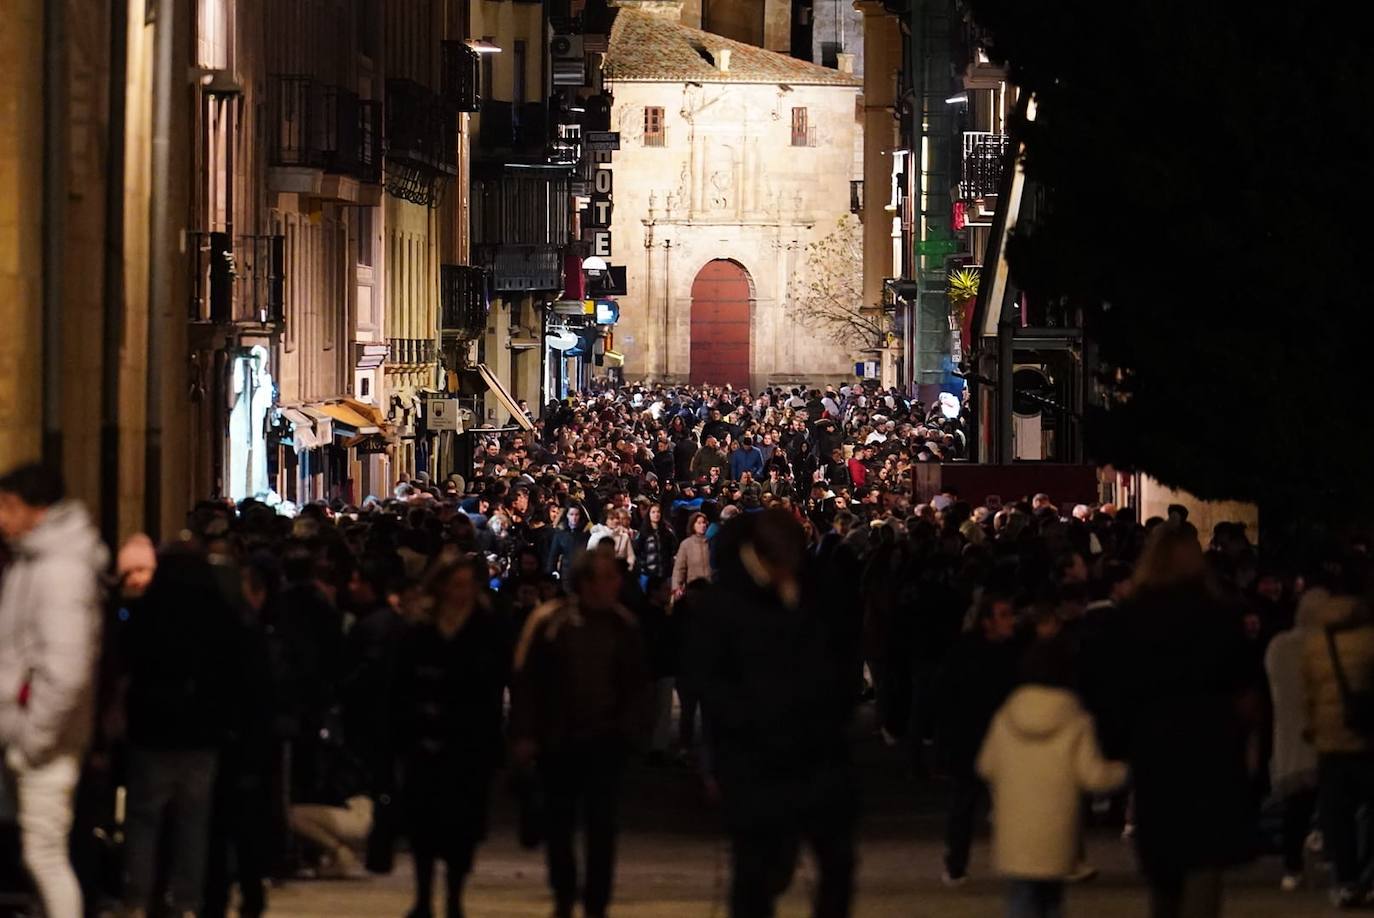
x: 1345, y: 754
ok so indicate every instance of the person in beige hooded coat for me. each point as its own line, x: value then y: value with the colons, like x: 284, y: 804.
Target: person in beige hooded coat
x: 1039, y: 758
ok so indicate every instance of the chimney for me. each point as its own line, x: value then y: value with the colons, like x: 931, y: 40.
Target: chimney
x: 723, y: 60
x: 668, y: 9
x: 844, y: 62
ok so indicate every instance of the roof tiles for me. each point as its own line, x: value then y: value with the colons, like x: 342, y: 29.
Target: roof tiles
x: 647, y: 47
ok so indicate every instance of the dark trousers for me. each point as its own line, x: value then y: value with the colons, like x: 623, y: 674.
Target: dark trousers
x: 240, y: 844
x: 687, y: 717
x: 1191, y: 894
x: 582, y: 784
x: 1346, y: 787
x: 964, y: 798
x: 176, y: 784
x: 1035, y: 899
x: 764, y: 861
x: 458, y: 855
x: 1297, y: 824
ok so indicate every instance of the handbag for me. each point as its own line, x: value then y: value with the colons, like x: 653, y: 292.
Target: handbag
x: 1358, y: 707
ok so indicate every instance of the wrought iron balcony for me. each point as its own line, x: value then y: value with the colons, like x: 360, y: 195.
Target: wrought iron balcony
x: 985, y: 158
x: 463, y: 301
x: 323, y: 127
x: 462, y: 77
x: 422, y: 143
x: 237, y: 279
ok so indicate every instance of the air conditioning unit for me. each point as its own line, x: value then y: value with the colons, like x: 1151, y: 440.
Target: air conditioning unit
x: 565, y: 47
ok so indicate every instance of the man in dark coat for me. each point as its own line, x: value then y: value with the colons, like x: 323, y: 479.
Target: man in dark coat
x: 683, y: 454
x: 978, y: 676
x: 580, y: 698
x: 776, y: 700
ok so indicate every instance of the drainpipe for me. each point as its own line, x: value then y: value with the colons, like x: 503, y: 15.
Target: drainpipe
x: 159, y: 270
x: 113, y: 275
x: 54, y: 200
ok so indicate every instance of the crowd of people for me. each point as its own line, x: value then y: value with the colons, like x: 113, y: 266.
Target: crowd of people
x: 655, y: 575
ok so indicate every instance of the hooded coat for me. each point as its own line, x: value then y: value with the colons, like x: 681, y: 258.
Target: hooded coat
x: 1039, y: 758
x: 50, y: 635
x: 1293, y: 766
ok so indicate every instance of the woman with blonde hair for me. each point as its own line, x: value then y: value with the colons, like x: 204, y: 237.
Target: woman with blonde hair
x: 1186, y: 701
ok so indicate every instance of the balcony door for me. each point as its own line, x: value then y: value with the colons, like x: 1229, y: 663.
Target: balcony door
x: 721, y: 328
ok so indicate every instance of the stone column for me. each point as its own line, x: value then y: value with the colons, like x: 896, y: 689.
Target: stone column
x: 21, y: 209
x: 883, y: 55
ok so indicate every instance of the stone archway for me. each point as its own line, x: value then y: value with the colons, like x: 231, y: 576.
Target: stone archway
x: 721, y: 328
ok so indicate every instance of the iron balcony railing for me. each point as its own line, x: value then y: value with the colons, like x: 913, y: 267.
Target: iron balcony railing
x: 323, y: 127
x: 237, y: 279
x: 463, y: 301
x: 985, y: 157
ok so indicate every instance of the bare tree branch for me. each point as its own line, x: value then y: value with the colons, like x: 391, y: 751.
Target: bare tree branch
x: 826, y: 293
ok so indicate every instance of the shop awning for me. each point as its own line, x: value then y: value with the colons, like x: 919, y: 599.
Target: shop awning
x: 302, y: 429
x: 346, y: 414
x: 324, y: 424
x: 503, y: 397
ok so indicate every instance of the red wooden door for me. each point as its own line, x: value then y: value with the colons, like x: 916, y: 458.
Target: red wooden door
x: 720, y: 325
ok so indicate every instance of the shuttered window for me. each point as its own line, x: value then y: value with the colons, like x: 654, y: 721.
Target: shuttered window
x: 653, y: 126
x: 800, y: 134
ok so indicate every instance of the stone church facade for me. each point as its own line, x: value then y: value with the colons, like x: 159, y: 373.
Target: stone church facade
x: 732, y: 160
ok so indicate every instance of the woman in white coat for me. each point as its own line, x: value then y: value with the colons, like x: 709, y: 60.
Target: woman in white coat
x: 1039, y: 758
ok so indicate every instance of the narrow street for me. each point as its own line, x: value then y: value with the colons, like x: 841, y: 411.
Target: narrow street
x: 673, y: 863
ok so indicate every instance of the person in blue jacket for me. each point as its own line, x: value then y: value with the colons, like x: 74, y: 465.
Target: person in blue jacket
x: 748, y: 458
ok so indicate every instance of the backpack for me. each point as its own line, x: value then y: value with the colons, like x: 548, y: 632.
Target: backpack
x: 1357, y: 706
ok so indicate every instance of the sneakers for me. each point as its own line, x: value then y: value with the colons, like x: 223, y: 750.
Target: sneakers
x: 1291, y: 882
x: 953, y: 882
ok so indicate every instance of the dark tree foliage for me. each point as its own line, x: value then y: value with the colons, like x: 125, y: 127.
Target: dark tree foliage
x: 1208, y: 168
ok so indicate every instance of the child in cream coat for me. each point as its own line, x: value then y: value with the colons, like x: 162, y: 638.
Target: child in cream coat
x: 1039, y: 758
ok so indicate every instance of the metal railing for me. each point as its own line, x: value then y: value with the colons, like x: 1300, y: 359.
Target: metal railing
x: 984, y: 159
x: 463, y: 301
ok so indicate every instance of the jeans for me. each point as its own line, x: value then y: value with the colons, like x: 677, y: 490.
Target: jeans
x: 1346, y: 785
x: 1035, y: 899
x: 46, y: 800
x: 1192, y: 894
x: 582, y: 775
x: 764, y: 861
x: 179, y: 781
x: 968, y: 790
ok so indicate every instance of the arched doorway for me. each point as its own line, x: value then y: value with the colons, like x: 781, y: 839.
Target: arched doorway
x: 720, y: 325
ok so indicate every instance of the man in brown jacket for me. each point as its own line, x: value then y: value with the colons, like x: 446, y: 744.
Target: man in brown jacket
x: 1345, y: 755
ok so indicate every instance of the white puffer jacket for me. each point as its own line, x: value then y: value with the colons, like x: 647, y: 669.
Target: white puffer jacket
x: 1039, y: 757
x: 50, y: 635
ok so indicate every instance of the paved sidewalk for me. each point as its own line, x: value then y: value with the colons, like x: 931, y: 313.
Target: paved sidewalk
x: 673, y: 863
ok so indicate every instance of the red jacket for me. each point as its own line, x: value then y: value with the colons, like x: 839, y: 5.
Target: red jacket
x: 858, y: 473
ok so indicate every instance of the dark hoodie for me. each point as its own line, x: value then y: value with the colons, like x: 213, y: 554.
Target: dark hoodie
x: 775, y: 692
x: 184, y: 648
